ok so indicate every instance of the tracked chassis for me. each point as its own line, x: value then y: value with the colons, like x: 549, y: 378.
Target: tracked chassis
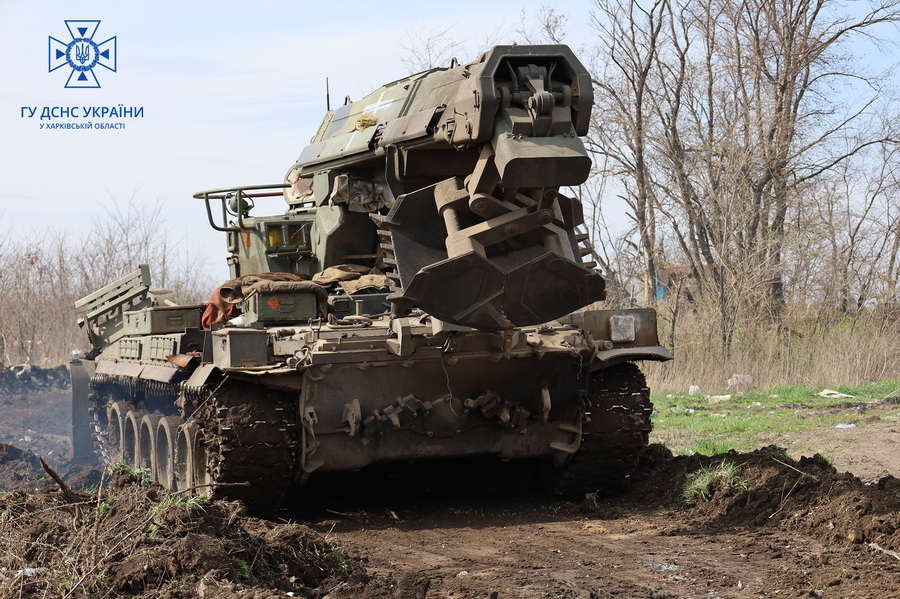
x: 335, y: 397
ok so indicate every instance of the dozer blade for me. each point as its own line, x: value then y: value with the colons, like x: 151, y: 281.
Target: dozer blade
x: 484, y: 288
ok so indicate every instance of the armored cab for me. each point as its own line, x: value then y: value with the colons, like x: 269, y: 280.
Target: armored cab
x: 422, y: 296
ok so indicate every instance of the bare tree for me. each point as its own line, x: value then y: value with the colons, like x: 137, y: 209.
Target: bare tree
x: 550, y: 27
x: 629, y: 39
x: 430, y: 48
x: 722, y: 117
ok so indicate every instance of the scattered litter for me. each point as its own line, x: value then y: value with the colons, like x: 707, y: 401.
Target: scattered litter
x: 832, y: 394
x: 775, y: 396
x: 27, y: 572
x: 664, y: 567
x: 740, y: 383
x: 845, y: 426
x: 693, y: 390
x: 717, y: 398
x: 755, y: 404
x: 463, y: 573
x: 771, y: 411
x: 719, y: 415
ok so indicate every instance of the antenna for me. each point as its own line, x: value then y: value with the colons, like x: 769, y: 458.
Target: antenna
x: 327, y: 96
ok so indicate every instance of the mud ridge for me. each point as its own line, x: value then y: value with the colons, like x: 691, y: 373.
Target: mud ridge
x: 133, y: 539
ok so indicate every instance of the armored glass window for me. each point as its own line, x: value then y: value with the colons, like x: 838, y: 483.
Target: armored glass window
x: 283, y: 235
x: 297, y: 235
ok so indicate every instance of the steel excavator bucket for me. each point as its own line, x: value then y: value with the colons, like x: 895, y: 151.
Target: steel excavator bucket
x: 487, y: 263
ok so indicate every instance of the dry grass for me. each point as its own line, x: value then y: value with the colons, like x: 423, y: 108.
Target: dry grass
x: 41, y: 280
x: 805, y: 347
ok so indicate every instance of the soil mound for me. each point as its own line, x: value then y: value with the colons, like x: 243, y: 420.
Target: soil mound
x: 27, y: 378
x: 20, y: 469
x: 136, y: 539
x: 766, y: 488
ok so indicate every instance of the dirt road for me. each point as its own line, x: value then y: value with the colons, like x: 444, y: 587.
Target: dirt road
x: 798, y: 529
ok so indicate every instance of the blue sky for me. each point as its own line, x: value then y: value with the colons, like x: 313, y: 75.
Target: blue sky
x: 231, y: 93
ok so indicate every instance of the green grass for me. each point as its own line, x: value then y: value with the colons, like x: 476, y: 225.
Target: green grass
x: 703, y: 484
x: 709, y: 447
x: 697, y: 424
x: 345, y: 564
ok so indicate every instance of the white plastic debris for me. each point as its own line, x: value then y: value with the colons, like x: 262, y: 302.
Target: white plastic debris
x: 693, y: 390
x: 27, y: 572
x: 845, y: 426
x: 832, y: 394
x: 740, y: 383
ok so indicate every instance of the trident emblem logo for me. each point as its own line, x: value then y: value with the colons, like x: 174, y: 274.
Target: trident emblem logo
x: 82, y: 54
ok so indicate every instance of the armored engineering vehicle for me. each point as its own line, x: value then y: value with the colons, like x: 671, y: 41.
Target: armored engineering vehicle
x: 423, y: 296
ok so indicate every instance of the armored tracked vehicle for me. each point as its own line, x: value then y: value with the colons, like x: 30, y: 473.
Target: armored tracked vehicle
x: 423, y: 296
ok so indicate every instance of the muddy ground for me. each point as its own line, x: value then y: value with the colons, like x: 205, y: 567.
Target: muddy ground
x: 786, y: 526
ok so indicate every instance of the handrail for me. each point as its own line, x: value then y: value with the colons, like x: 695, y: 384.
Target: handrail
x: 226, y: 193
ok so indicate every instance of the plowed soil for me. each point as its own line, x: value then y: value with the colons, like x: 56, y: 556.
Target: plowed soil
x: 782, y: 526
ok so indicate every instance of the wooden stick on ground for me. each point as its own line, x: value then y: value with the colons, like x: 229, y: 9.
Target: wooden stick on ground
x: 67, y: 493
x: 878, y: 547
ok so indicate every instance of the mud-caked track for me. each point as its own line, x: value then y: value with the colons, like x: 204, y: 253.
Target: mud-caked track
x: 616, y: 430
x: 241, y: 440
x: 214, y: 440
x: 250, y: 447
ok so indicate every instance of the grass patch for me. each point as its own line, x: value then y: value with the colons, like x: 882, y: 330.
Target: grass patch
x: 345, y: 564
x: 703, y: 484
x: 711, y: 426
x: 709, y: 447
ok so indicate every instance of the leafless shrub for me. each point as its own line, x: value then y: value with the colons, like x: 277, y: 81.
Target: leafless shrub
x: 42, y: 279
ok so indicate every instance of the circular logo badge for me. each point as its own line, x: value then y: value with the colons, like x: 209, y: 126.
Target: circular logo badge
x: 82, y: 54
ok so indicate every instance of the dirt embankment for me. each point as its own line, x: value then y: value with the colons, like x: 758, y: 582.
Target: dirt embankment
x: 133, y: 539
x: 775, y: 527
x: 28, y: 379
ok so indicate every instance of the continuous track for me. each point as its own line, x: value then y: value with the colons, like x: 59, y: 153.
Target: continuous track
x: 251, y: 438
x: 616, y: 431
x: 240, y: 442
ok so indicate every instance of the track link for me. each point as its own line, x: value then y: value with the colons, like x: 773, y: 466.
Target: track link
x: 616, y: 432
x: 250, y: 433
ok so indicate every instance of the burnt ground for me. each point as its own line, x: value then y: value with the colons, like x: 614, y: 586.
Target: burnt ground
x: 782, y: 526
